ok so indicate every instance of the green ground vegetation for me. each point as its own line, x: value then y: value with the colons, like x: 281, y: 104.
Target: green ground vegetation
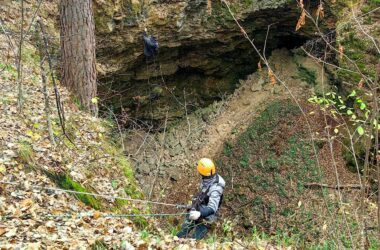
x: 66, y: 182
x: 103, y: 145
x: 269, y: 165
x: 26, y: 153
x: 359, y: 48
x: 266, y: 170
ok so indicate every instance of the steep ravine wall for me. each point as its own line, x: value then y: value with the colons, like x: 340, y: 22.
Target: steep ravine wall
x: 201, y: 55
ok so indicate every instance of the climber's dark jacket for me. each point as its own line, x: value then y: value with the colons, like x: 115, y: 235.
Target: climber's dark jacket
x: 150, y: 45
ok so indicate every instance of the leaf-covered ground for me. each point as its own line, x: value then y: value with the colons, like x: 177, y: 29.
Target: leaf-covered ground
x: 87, y: 159
x: 32, y: 218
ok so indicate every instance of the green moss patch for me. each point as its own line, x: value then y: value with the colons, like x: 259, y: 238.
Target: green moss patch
x: 140, y: 221
x: 66, y: 182
x: 130, y: 186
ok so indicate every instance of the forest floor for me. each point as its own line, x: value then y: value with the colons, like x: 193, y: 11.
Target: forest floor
x: 260, y: 115
x: 33, y: 213
x: 35, y: 218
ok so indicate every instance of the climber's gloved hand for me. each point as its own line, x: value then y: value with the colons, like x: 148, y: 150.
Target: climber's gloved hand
x: 194, y: 215
x: 183, y: 207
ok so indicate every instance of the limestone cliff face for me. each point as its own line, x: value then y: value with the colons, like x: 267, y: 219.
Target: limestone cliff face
x: 202, y: 51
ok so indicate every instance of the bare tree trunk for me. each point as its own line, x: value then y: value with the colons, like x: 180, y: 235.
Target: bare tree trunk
x: 377, y: 155
x: 20, y: 99
x: 44, y: 88
x: 78, y: 50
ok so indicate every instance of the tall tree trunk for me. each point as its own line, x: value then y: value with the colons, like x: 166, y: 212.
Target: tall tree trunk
x: 78, y: 50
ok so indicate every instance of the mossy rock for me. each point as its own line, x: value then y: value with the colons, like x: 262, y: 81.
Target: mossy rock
x: 66, y: 182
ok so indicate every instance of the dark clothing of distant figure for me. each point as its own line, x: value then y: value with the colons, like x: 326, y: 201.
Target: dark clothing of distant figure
x: 150, y: 45
x: 212, y: 189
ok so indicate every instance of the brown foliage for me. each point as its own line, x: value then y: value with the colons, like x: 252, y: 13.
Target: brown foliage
x: 320, y: 11
x: 301, y: 21
x: 272, y: 77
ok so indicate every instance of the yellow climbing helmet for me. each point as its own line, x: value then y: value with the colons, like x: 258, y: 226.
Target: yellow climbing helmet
x: 206, y: 167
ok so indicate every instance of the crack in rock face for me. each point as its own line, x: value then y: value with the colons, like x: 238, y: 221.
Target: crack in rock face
x: 201, y: 55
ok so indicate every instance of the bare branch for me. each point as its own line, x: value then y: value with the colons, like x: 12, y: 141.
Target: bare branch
x: 20, y: 100
x: 338, y: 187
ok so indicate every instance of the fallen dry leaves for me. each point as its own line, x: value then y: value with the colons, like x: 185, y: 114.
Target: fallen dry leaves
x: 32, y: 218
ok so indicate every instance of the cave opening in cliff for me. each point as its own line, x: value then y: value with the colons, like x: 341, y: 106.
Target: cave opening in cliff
x: 198, y: 76
x: 201, y: 57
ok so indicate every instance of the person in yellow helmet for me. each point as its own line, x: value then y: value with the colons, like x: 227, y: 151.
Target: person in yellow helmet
x: 206, y: 203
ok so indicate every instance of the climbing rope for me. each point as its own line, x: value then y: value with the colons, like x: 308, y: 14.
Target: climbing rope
x: 106, y: 196
x: 91, y: 215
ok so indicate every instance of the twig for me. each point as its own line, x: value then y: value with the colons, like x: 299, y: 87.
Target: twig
x: 338, y: 187
x: 34, y: 17
x: 266, y: 39
x: 377, y: 155
x: 331, y: 147
x: 60, y: 109
x: 9, y: 39
x: 243, y: 245
x: 19, y: 63
x: 159, y: 158
x: 187, y: 116
x: 142, y: 144
x: 366, y: 33
x: 327, y: 63
x: 118, y: 127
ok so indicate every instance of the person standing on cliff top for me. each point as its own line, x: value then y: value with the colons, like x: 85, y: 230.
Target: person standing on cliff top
x: 206, y: 204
